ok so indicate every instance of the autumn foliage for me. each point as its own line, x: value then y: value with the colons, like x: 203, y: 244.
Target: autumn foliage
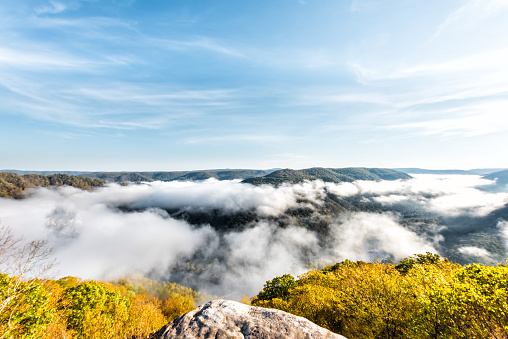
x: 421, y: 297
x: 14, y: 185
x: 71, y: 308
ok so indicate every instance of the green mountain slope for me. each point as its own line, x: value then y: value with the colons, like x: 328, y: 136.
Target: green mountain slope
x: 177, y: 175
x: 335, y: 175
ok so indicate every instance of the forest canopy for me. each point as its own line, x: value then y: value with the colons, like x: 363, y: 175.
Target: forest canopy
x: 33, y: 306
x: 423, y: 296
x: 13, y: 185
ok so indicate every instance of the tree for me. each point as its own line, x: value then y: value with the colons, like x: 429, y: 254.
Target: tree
x: 24, y: 310
x: 96, y: 311
x: 406, y: 264
x: 176, y: 305
x: 145, y: 316
x: 279, y: 287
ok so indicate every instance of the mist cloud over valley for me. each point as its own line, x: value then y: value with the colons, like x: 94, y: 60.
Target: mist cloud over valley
x: 227, y: 237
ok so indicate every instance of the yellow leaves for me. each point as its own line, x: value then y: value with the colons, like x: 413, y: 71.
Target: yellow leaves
x: 95, y: 308
x: 145, y: 316
x: 25, y: 310
x: 429, y: 298
x: 245, y: 300
x: 176, y: 305
x: 69, y: 308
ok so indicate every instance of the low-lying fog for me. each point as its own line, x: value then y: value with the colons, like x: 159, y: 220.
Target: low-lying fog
x: 117, y: 230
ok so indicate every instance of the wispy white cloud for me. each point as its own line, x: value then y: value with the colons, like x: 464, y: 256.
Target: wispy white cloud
x: 475, y: 252
x: 339, y: 96
x: 490, y: 60
x: 450, y: 96
x: 93, y: 69
x: 196, y: 43
x: 242, y: 138
x: 105, y: 28
x: 39, y: 58
x: 471, y: 13
x: 154, y: 96
x: 468, y: 121
x: 54, y: 7
x: 114, y: 105
x: 84, y: 24
x: 450, y: 195
x: 368, y: 5
x: 445, y: 86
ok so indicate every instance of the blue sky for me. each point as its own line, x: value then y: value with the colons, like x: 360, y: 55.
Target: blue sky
x: 110, y: 85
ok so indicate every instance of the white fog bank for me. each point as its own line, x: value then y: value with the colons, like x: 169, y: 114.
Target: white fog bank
x: 92, y: 238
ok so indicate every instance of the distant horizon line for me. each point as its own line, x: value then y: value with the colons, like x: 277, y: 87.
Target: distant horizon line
x: 11, y: 170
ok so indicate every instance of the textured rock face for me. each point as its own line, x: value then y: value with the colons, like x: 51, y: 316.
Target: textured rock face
x: 228, y: 319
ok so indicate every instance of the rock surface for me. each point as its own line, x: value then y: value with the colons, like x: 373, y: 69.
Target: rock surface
x: 228, y: 319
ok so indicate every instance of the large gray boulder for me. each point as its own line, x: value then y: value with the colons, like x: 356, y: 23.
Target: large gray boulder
x: 229, y: 319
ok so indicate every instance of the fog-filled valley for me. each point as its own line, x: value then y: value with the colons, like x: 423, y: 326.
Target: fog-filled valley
x: 227, y: 238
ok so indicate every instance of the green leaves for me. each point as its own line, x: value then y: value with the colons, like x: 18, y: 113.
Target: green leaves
x: 94, y: 310
x: 25, y: 311
x: 406, y: 264
x: 279, y: 287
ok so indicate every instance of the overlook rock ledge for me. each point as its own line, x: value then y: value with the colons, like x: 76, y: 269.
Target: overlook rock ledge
x: 221, y: 319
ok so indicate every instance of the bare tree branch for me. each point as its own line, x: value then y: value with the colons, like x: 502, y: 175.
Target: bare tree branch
x: 21, y: 265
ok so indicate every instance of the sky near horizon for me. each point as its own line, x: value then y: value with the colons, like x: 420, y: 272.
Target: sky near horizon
x: 109, y: 85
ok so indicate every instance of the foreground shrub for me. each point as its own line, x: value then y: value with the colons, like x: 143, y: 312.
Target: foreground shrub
x: 421, y: 297
x: 25, y: 310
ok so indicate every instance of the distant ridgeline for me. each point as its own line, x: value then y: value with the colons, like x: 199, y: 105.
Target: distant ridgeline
x: 12, y: 185
x: 258, y: 177
x: 335, y: 175
x: 275, y: 176
x: 498, y: 175
x: 476, y: 171
x: 501, y: 177
x: 238, y: 174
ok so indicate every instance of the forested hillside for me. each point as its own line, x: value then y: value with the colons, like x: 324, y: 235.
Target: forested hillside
x: 23, y: 172
x: 176, y: 175
x: 420, y: 297
x: 256, y: 177
x: 13, y: 185
x: 335, y: 175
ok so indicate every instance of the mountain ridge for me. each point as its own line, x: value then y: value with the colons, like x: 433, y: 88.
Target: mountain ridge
x: 501, y: 177
x: 335, y: 175
x: 475, y: 171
